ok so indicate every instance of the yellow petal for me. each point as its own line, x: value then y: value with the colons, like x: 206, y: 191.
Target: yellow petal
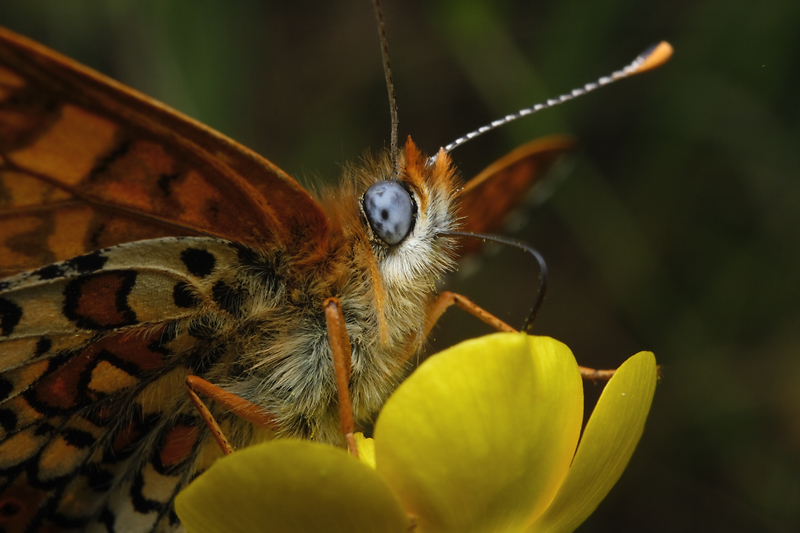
x: 607, y: 444
x: 480, y: 437
x: 366, y: 449
x: 289, y: 486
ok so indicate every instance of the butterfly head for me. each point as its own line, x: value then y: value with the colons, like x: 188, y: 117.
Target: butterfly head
x: 403, y: 212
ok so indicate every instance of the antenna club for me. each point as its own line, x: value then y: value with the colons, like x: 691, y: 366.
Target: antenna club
x: 654, y: 57
x: 651, y: 58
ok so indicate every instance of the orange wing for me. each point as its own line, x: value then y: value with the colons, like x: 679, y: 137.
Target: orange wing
x: 87, y: 163
x: 488, y: 198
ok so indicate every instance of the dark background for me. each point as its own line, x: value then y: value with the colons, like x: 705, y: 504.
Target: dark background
x: 673, y: 227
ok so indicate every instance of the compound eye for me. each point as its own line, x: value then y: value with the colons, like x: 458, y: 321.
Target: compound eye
x: 389, y: 210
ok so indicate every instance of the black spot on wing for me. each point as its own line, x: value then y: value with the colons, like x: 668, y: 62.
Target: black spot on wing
x: 43, y: 346
x: 5, y: 388
x: 10, y: 315
x: 198, y: 262
x: 50, y: 272
x: 77, y: 438
x: 8, y: 420
x: 85, y: 264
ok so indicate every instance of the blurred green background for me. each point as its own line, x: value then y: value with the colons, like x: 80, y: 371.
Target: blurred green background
x: 673, y: 227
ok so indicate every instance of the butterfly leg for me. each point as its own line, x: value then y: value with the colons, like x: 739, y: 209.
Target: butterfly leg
x: 208, y: 418
x: 342, y: 354
x: 231, y: 402
x: 447, y: 299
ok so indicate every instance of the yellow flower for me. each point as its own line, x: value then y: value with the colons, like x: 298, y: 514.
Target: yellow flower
x: 481, y: 437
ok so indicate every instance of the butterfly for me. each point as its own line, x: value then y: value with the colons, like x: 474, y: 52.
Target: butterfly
x: 138, y: 247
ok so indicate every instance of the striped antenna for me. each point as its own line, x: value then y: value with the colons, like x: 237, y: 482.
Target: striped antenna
x: 653, y: 57
x: 387, y: 72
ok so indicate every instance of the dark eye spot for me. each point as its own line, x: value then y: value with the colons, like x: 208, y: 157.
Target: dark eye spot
x: 10, y: 315
x: 198, y: 262
x: 389, y: 210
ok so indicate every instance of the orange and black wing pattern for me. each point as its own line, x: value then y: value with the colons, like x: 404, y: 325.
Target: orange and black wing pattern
x: 87, y: 163
x: 123, y: 229
x: 488, y: 198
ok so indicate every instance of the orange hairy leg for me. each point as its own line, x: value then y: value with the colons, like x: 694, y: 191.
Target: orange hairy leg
x: 232, y: 402
x: 341, y: 352
x: 448, y: 299
x: 207, y: 417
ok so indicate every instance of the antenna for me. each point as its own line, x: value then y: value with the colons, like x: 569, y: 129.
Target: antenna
x: 653, y: 57
x: 387, y: 71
